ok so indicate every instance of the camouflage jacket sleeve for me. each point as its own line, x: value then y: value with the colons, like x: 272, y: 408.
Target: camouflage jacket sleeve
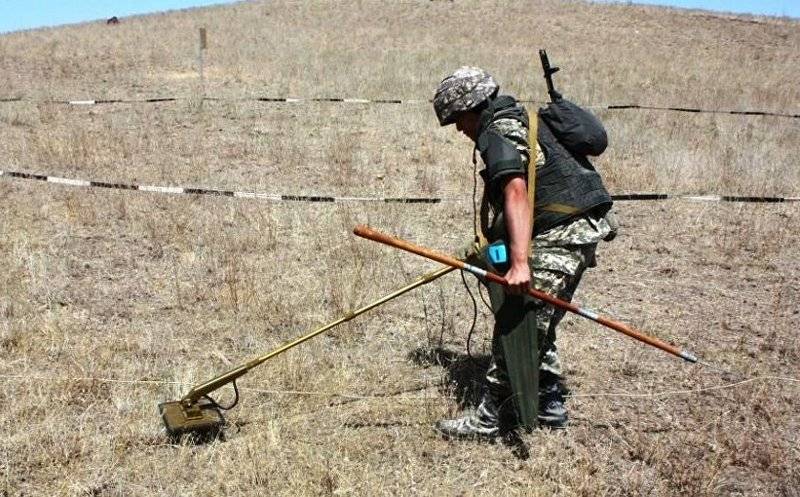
x: 517, y: 133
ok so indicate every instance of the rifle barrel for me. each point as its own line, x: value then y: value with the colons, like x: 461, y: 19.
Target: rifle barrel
x: 548, y: 75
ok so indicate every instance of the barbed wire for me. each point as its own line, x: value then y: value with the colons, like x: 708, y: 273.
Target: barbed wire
x: 319, y: 393
x: 177, y: 190
x: 397, y: 101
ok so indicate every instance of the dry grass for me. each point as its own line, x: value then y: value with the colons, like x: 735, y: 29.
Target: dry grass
x: 103, y: 286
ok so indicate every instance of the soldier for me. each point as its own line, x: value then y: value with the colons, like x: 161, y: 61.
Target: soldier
x: 565, y: 226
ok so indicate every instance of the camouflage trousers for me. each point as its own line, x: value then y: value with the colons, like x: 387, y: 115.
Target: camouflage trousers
x: 572, y: 261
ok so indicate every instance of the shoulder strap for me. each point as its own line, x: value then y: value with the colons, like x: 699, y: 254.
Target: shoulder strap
x: 481, y: 223
x: 533, y: 143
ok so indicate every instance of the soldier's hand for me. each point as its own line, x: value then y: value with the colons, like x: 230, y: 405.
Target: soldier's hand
x: 519, y: 279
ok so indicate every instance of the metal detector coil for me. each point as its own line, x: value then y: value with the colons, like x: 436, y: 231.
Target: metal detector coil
x: 201, y: 418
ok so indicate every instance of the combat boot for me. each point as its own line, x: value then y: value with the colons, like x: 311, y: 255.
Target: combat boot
x: 484, y: 423
x: 552, y: 412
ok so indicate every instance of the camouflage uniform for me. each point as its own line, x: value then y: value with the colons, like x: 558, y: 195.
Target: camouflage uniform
x: 559, y: 257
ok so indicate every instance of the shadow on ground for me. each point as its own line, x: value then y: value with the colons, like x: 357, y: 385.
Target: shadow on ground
x: 465, y: 376
x: 465, y: 373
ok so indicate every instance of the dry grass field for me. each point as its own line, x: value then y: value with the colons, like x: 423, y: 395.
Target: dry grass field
x: 114, y: 301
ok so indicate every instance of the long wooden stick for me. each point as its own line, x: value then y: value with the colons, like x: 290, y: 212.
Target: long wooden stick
x: 369, y: 233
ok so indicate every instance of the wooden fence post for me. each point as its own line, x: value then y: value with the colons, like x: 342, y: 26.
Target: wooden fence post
x: 201, y: 48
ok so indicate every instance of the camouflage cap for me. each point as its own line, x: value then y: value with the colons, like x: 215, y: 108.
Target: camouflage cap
x: 463, y: 90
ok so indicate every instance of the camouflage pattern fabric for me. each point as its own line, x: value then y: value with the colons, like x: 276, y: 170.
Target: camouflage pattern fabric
x: 560, y: 256
x: 463, y: 90
x: 517, y: 133
x: 555, y: 248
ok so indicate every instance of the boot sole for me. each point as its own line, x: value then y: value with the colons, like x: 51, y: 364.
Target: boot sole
x: 552, y: 424
x: 472, y: 437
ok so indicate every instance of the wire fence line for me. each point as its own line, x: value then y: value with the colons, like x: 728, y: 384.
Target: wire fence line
x: 274, y: 197
x: 216, y: 191
x: 400, y: 101
x: 654, y: 394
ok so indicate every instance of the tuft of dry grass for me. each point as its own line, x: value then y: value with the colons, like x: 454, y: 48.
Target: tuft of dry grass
x: 113, y: 301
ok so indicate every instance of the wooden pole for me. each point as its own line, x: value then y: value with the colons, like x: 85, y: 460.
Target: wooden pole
x: 369, y: 233
x: 201, y: 48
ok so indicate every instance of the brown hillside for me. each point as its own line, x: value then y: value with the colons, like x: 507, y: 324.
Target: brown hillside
x: 114, y: 301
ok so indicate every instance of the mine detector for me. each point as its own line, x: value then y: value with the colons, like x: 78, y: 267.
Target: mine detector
x: 199, y: 415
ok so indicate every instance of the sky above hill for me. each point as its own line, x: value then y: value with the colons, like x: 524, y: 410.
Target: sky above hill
x: 27, y: 14
x: 763, y: 7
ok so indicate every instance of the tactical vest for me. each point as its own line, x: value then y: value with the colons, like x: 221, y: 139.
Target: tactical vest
x: 566, y: 185
x: 500, y: 155
x: 502, y: 107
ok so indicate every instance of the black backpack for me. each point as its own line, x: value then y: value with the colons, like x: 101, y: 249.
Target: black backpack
x: 576, y: 128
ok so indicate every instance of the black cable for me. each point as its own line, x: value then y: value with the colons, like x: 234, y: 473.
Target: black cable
x: 477, y: 242
x: 474, y: 319
x: 225, y: 408
x: 475, y: 195
x: 475, y: 219
x: 483, y: 298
